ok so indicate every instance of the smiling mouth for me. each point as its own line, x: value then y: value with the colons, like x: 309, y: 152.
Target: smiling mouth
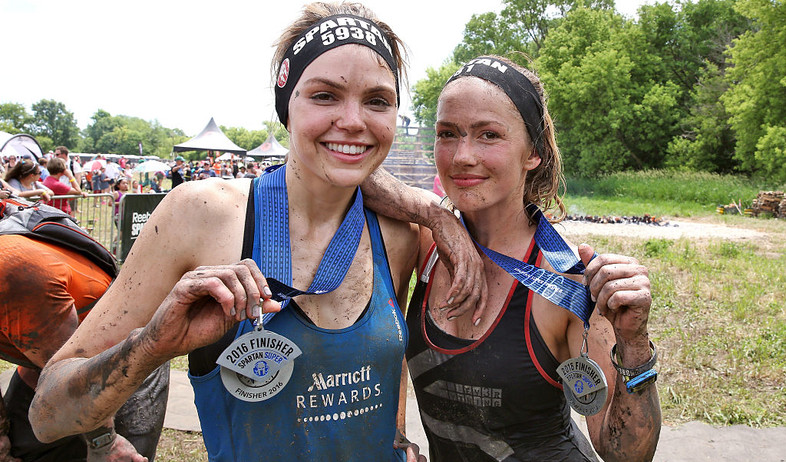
x: 347, y: 148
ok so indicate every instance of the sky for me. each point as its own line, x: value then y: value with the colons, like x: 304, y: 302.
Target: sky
x: 181, y: 62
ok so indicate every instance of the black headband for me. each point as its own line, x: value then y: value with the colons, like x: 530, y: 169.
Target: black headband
x: 518, y: 88
x: 325, y: 35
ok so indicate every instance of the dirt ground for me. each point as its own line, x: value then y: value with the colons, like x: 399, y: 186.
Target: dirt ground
x: 672, y: 230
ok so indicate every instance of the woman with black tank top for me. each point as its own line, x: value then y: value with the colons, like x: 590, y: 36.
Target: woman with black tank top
x: 497, y: 386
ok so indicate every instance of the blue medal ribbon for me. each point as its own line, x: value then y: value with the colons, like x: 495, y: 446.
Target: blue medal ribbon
x: 272, y: 246
x: 558, y: 289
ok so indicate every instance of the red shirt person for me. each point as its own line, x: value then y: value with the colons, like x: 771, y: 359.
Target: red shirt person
x: 57, y: 168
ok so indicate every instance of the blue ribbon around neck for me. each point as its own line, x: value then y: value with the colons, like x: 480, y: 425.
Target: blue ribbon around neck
x: 272, y: 246
x: 558, y: 289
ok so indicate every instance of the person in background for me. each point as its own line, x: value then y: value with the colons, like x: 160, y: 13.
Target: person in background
x: 57, y: 170
x: 241, y: 172
x: 46, y: 291
x: 119, y: 189
x: 42, y: 167
x: 155, y: 184
x: 23, y: 179
x: 75, y: 172
x: 437, y: 189
x: 339, y: 101
x: 178, y: 172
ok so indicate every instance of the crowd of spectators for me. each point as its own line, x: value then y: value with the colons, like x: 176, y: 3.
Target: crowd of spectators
x: 27, y: 177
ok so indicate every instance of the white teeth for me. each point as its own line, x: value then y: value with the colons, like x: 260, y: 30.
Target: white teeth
x: 346, y: 148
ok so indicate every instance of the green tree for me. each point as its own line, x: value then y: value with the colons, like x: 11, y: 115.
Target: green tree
x: 279, y: 131
x: 426, y: 92
x: 530, y: 20
x: 488, y: 34
x: 122, y: 135
x: 613, y: 109
x: 52, y: 119
x: 706, y: 141
x: 756, y: 99
x: 516, y: 33
x: 246, y: 139
x: 771, y: 152
x: 14, y: 118
x: 690, y: 38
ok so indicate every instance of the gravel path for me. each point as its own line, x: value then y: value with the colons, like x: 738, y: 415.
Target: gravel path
x: 672, y: 230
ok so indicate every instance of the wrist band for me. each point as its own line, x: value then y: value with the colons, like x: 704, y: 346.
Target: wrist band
x: 642, y: 381
x: 100, y: 437
x: 72, y: 180
x: 633, y: 372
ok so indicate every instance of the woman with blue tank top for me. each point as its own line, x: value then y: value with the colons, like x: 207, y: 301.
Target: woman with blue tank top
x: 318, y: 376
x: 500, y: 387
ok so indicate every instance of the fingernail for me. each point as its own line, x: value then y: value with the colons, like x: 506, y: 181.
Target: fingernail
x: 266, y: 291
x: 477, y: 322
x: 232, y: 311
x: 450, y: 318
x: 443, y: 308
x: 242, y: 315
x: 450, y: 300
x: 593, y: 298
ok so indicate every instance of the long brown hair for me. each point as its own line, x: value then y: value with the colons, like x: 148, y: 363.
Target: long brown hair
x: 23, y: 168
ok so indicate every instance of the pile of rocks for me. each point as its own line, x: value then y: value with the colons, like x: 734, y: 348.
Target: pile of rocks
x: 645, y: 219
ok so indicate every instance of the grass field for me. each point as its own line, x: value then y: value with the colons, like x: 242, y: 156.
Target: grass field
x: 718, y: 313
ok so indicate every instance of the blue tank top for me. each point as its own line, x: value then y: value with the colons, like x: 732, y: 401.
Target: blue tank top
x: 341, y: 401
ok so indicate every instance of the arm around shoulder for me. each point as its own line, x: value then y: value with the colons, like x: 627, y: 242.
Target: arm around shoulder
x: 390, y: 197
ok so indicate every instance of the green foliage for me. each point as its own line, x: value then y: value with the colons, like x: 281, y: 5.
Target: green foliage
x: 246, y: 139
x: 488, y: 34
x: 122, y: 135
x: 668, y: 188
x: 530, y: 20
x: 14, y: 118
x: 707, y: 141
x: 657, y: 247
x: 279, y: 131
x: 756, y: 99
x: 53, y: 120
x: 771, y: 152
x: 426, y: 92
x: 516, y: 33
x: 612, y: 113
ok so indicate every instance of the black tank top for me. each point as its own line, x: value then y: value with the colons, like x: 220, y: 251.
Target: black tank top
x: 494, y: 399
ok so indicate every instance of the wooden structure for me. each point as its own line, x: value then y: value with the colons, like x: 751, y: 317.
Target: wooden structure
x: 411, y: 157
x: 772, y: 202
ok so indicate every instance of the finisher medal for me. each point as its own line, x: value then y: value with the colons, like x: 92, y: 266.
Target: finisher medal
x: 583, y: 384
x: 258, y: 364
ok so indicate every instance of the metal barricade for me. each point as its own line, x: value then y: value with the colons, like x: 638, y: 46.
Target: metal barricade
x: 96, y: 214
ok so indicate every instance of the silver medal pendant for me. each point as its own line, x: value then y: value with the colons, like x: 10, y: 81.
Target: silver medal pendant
x: 583, y: 384
x: 257, y: 365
